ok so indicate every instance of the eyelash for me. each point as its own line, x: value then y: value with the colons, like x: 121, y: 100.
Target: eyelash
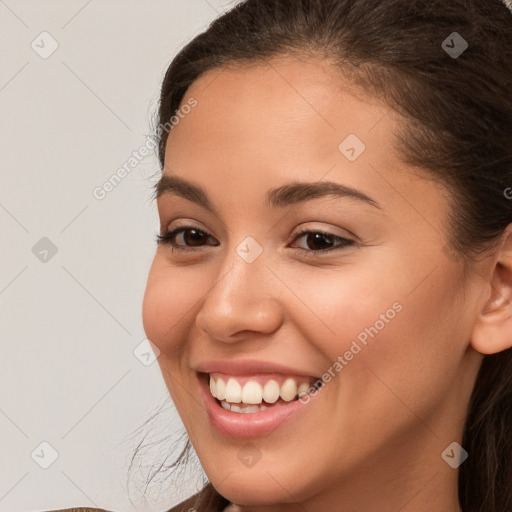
x: 168, y: 239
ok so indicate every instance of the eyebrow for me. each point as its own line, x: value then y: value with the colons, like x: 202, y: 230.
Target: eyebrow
x: 285, y: 195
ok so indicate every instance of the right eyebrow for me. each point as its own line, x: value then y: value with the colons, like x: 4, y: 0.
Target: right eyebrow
x: 174, y: 185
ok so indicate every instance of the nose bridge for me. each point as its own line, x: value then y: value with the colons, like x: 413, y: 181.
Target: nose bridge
x: 242, y: 298
x: 243, y: 273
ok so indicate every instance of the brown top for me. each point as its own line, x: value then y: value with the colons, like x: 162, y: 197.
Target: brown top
x: 81, y: 509
x: 181, y: 507
x: 206, y: 500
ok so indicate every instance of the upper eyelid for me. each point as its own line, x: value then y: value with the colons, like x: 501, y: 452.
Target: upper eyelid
x: 326, y: 231
x: 304, y: 231
x: 298, y: 234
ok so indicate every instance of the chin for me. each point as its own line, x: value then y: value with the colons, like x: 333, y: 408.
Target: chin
x: 261, y: 485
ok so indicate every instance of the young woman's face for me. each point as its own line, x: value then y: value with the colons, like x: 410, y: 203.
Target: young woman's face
x: 380, y: 315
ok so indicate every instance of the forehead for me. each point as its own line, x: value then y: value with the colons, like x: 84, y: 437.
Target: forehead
x: 281, y: 111
x: 283, y: 92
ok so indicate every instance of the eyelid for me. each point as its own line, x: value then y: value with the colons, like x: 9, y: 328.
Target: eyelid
x: 347, y: 235
x: 169, y: 235
x: 346, y: 242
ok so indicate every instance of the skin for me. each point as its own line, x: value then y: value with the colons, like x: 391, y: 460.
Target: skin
x: 379, y: 427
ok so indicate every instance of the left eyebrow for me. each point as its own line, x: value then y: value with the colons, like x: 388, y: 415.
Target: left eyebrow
x: 298, y: 192
x: 285, y: 195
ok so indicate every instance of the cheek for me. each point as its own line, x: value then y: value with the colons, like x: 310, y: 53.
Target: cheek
x: 167, y: 314
x: 343, y: 307
x: 400, y: 343
x: 168, y: 305
x: 411, y: 361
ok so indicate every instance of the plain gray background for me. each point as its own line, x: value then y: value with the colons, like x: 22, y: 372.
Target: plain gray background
x: 73, y: 268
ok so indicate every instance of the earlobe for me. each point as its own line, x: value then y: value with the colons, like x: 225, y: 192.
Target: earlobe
x: 493, y: 327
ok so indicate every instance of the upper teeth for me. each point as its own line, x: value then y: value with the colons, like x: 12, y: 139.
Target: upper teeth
x: 252, y: 392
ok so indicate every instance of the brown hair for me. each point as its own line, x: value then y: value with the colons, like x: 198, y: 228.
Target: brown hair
x: 459, y: 128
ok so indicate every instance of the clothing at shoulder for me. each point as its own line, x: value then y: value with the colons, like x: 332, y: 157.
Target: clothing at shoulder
x: 177, y: 508
x: 185, y: 505
x: 80, y: 509
x: 213, y: 503
x: 206, y: 500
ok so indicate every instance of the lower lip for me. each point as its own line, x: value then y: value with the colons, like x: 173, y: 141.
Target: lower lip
x: 243, y: 425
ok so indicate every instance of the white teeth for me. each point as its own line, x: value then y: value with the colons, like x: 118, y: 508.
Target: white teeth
x: 289, y: 390
x: 252, y: 408
x: 233, y: 391
x: 254, y: 394
x: 220, y: 389
x: 242, y: 408
x: 248, y: 409
x: 271, y: 391
x: 302, y: 389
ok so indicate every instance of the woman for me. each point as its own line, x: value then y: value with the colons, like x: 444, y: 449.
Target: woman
x: 331, y: 291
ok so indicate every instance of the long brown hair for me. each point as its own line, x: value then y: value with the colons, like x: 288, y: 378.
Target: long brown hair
x: 459, y: 128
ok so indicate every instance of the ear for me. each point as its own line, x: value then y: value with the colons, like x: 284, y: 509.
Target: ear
x: 493, y: 327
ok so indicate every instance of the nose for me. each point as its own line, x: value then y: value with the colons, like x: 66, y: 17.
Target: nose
x: 242, y: 301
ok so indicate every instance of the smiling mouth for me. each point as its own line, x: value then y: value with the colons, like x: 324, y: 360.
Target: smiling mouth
x: 257, y: 393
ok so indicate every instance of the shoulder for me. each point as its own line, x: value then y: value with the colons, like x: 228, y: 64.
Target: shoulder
x: 206, y: 500
x: 80, y: 509
x: 184, y: 506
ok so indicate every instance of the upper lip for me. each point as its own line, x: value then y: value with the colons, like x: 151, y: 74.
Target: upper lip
x: 248, y: 367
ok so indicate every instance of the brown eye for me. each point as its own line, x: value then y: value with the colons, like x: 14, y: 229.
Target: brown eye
x: 185, y: 238
x: 317, y: 241
x: 191, y: 237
